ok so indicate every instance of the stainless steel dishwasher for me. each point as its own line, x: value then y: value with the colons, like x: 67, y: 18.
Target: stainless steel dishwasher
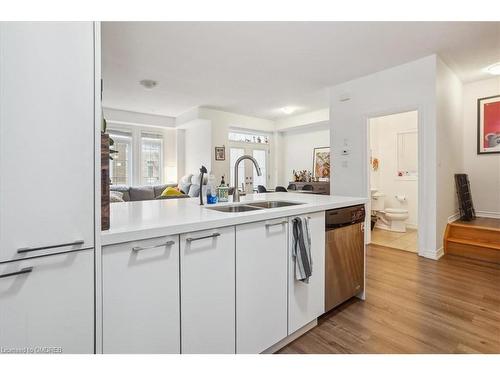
x: 344, y: 254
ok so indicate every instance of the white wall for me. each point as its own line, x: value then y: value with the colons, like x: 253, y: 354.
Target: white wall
x: 296, y: 149
x: 197, y: 146
x: 411, y: 86
x: 449, y: 144
x: 483, y: 170
x: 220, y: 123
x: 307, y: 118
x: 383, y: 142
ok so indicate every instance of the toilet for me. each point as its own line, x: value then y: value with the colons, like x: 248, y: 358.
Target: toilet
x: 392, y: 219
x: 396, y: 218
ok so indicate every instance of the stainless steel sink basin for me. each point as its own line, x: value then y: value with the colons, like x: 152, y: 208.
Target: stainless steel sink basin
x: 235, y: 208
x: 273, y: 204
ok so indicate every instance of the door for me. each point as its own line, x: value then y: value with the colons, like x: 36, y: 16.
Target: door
x: 208, y: 291
x: 247, y: 173
x: 345, y: 261
x: 307, y: 300
x: 261, y: 285
x: 141, y: 308
x: 46, y: 137
x: 47, y: 304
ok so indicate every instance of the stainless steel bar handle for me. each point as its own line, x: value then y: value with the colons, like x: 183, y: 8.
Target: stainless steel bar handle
x: 29, y: 249
x: 273, y: 224
x: 20, y: 272
x: 213, y: 235
x: 140, y: 248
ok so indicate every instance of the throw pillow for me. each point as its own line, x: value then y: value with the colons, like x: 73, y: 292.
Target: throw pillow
x: 185, y: 183
x: 194, y: 190
x: 116, y: 196
x: 170, y: 191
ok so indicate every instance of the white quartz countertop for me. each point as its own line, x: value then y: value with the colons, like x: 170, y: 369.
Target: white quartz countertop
x: 131, y: 221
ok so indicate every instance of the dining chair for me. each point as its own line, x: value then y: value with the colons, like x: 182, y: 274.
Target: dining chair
x: 261, y: 189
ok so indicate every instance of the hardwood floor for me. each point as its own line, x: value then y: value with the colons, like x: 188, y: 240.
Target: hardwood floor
x: 414, y: 305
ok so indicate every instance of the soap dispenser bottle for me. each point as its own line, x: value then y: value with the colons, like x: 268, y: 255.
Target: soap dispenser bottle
x: 211, y: 191
x: 223, y: 191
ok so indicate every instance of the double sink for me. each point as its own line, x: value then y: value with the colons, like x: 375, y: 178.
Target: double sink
x: 253, y: 206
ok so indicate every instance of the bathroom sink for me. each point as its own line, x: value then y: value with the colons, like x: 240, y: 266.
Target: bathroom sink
x: 273, y: 204
x: 234, y: 208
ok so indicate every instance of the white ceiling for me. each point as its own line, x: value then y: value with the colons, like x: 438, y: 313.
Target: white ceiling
x: 255, y: 68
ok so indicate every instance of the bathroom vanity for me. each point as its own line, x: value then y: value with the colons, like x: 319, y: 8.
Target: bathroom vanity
x: 183, y: 278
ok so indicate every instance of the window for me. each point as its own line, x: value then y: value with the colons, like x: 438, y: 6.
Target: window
x: 260, y: 156
x: 120, y: 168
x: 248, y: 137
x: 151, y: 158
x: 234, y: 154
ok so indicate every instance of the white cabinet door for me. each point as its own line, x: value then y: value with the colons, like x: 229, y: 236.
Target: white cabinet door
x: 47, y: 304
x: 208, y: 291
x: 141, y: 312
x: 307, y: 301
x: 46, y: 137
x: 261, y: 285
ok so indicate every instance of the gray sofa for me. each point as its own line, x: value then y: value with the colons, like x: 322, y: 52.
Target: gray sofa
x: 143, y: 193
x: 189, y: 185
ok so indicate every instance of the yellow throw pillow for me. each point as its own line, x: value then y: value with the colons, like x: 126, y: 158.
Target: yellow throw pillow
x: 170, y: 192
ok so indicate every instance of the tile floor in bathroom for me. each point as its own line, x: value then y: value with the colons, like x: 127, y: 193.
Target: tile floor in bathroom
x: 403, y: 241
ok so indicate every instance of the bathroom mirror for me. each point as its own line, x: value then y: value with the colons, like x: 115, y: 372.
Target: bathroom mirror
x: 407, y: 146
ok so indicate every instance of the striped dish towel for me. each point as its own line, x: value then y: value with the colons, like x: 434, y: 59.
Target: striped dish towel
x: 301, y: 249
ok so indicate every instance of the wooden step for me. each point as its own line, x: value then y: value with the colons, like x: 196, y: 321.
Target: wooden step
x: 475, y: 235
x: 473, y: 252
x: 464, y: 241
x: 476, y: 239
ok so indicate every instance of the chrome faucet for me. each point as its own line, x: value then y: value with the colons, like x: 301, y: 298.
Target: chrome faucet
x: 236, y: 193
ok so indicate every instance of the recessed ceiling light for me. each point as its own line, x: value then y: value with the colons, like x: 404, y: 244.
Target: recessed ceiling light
x: 287, y: 110
x: 493, y: 69
x: 148, y: 83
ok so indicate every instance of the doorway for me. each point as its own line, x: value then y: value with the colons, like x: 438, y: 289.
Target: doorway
x: 248, y: 180
x: 393, y: 180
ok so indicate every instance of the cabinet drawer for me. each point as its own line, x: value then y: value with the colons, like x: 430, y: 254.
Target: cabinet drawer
x: 208, y: 291
x: 50, y: 305
x: 141, y: 312
x: 261, y: 285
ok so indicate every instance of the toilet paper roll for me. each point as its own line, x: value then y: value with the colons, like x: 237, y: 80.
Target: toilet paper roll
x: 401, y: 197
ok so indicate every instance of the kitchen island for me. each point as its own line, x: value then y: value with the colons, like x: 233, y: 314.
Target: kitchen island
x: 183, y: 278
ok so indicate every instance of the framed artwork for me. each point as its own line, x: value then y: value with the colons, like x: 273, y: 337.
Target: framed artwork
x: 488, y: 125
x: 220, y: 153
x: 321, y: 163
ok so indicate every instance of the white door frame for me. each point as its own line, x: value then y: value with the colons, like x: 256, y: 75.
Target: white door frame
x: 248, y: 150
x: 422, y: 189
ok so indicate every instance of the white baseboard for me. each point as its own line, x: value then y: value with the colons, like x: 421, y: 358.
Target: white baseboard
x: 292, y: 337
x: 489, y: 214
x: 454, y: 217
x: 434, y: 255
